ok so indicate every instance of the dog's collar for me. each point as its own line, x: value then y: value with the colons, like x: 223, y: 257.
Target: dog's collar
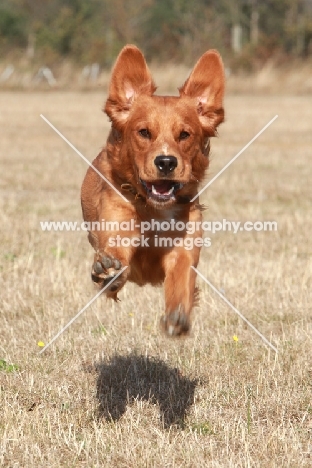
x: 131, y: 189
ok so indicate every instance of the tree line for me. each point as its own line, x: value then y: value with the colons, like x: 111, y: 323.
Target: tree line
x: 247, y: 32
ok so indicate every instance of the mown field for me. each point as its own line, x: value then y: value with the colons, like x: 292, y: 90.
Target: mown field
x: 112, y: 390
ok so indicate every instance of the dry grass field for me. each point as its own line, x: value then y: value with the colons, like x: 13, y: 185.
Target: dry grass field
x: 112, y: 391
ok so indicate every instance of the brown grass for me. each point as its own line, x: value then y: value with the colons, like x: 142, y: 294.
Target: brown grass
x: 292, y: 77
x: 112, y: 391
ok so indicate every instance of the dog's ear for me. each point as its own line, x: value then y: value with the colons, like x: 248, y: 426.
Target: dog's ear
x: 130, y: 78
x: 206, y: 85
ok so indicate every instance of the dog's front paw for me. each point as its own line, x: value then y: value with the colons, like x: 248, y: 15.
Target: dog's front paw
x: 176, y: 323
x: 104, y: 269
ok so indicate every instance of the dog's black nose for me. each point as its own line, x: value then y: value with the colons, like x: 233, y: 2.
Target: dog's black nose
x: 166, y: 164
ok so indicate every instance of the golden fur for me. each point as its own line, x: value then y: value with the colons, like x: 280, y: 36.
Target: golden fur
x: 156, y: 155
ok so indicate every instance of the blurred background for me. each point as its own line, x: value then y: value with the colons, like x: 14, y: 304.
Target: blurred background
x: 73, y: 43
x: 243, y: 407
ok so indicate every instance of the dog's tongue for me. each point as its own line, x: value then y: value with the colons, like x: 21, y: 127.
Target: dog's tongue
x: 161, y: 187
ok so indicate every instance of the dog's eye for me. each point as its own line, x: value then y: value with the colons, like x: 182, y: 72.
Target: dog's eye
x: 184, y: 135
x: 144, y: 133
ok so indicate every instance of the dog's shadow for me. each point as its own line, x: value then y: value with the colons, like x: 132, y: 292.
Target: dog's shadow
x: 123, y: 379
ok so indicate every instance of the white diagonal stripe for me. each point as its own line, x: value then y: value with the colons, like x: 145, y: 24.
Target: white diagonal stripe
x: 83, y: 157
x: 236, y: 310
x: 235, y: 157
x: 82, y: 310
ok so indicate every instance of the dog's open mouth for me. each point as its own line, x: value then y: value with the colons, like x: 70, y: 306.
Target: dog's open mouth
x: 161, y: 190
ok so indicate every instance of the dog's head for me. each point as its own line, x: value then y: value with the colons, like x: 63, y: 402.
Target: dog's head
x: 160, y: 144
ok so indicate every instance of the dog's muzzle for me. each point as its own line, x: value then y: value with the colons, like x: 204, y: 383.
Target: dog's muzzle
x: 161, y: 190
